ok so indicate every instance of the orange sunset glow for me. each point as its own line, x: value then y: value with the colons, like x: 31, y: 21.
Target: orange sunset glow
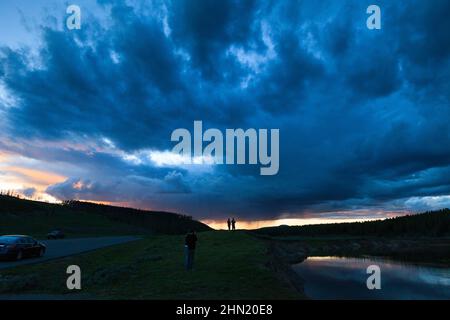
x: 250, y: 225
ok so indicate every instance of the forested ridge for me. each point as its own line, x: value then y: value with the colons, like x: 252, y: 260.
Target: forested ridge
x: 427, y: 224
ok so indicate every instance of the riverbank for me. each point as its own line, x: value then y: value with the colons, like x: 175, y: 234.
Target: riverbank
x: 286, y: 252
x: 434, y: 251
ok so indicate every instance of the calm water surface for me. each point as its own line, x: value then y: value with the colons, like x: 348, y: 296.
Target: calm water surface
x: 345, y: 278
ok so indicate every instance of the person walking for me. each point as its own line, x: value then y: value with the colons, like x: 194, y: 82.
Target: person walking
x: 233, y: 224
x: 189, y: 249
x: 229, y: 224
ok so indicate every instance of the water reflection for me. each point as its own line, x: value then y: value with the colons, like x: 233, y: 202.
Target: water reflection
x: 345, y: 278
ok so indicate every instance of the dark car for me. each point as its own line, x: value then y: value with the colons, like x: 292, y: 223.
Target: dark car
x: 18, y: 247
x: 55, y: 234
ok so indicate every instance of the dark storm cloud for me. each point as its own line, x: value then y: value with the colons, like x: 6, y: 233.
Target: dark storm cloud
x: 126, y: 189
x: 207, y: 28
x: 363, y: 114
x: 294, y: 71
x: 86, y: 92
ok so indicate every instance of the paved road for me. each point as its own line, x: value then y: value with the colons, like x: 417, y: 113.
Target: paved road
x: 67, y: 247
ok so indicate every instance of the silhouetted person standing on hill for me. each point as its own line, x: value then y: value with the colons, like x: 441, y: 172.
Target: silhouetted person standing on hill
x: 189, y: 249
x: 229, y: 224
x: 233, y: 224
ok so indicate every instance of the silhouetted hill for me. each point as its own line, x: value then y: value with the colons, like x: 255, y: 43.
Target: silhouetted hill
x: 88, y: 219
x: 428, y: 224
x: 156, y: 221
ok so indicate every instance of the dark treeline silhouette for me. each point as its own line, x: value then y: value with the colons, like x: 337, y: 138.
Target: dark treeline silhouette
x: 427, y: 224
x: 10, y: 193
x: 148, y: 221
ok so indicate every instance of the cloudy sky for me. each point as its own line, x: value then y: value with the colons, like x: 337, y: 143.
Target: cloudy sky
x: 363, y: 114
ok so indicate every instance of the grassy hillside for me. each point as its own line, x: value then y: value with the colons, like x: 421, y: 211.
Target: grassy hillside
x: 428, y: 224
x: 154, y: 221
x: 228, y: 265
x: 19, y: 216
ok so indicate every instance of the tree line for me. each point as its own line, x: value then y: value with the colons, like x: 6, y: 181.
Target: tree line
x: 427, y: 224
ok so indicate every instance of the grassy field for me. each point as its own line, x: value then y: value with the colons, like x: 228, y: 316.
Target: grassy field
x: 228, y: 265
